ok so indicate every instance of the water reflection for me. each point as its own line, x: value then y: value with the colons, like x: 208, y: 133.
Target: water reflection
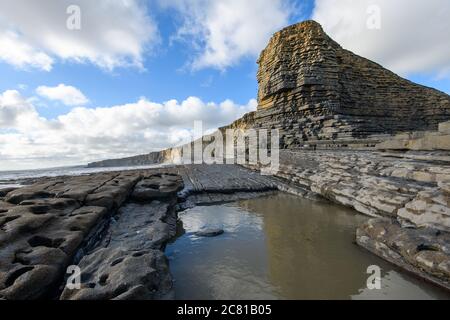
x: 283, y: 247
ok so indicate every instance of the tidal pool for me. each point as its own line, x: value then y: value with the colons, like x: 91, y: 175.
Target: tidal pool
x: 281, y: 247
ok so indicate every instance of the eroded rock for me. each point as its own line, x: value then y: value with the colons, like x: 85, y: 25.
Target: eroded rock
x: 161, y: 186
x: 44, y: 226
x: 425, y: 252
x: 112, y: 273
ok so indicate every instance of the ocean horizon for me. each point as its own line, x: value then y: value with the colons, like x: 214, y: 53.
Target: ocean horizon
x: 6, y: 177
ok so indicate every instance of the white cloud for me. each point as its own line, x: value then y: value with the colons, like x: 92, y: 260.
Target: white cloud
x: 83, y: 134
x: 68, y: 95
x: 15, y: 51
x: 113, y: 33
x: 413, y: 37
x: 16, y: 112
x: 224, y: 31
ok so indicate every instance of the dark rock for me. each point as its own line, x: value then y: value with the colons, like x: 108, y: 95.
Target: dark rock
x: 28, y: 282
x: 5, y: 191
x: 112, y: 273
x: 209, y: 233
x: 129, y: 263
x: 43, y: 228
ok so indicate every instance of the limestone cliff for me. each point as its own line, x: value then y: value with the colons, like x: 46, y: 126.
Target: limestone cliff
x: 315, y: 91
x: 319, y: 94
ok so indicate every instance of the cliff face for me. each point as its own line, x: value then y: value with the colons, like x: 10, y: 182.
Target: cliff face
x: 140, y: 160
x: 319, y: 94
x: 315, y: 91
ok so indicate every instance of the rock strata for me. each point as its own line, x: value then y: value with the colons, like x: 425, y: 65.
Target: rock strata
x: 425, y: 252
x: 422, y: 141
x: 313, y: 90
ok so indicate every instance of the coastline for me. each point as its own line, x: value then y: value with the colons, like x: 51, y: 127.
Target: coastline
x: 82, y: 220
x: 347, y: 131
x: 57, y: 222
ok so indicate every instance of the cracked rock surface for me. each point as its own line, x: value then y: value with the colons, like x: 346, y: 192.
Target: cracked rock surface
x: 114, y: 226
x: 421, y: 251
x: 44, y: 226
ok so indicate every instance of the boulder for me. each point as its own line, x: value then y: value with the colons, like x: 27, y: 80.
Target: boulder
x: 213, y: 232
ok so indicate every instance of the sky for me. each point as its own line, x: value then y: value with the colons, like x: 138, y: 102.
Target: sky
x: 89, y: 80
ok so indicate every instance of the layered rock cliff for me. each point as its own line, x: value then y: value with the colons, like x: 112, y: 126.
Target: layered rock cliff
x: 316, y: 92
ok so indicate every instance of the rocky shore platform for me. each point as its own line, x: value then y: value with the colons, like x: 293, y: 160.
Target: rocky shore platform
x: 114, y: 226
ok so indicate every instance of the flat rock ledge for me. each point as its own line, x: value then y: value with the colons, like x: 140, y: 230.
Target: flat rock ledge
x: 114, y: 226
x: 425, y: 252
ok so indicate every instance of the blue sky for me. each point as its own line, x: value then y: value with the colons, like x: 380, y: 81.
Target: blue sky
x: 173, y: 50
x: 166, y: 75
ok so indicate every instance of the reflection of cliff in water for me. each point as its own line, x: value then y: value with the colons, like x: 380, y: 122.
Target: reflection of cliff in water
x: 281, y: 246
x: 318, y: 259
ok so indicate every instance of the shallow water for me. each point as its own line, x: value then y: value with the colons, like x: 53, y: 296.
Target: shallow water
x: 281, y: 247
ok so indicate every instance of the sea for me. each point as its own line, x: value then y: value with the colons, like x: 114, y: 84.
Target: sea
x: 16, y: 178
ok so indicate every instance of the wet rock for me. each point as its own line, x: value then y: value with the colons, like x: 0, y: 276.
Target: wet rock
x: 43, y: 228
x: 4, y: 207
x: 142, y: 226
x: 113, y: 193
x: 28, y: 282
x: 213, y: 232
x: 36, y: 191
x: 129, y: 262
